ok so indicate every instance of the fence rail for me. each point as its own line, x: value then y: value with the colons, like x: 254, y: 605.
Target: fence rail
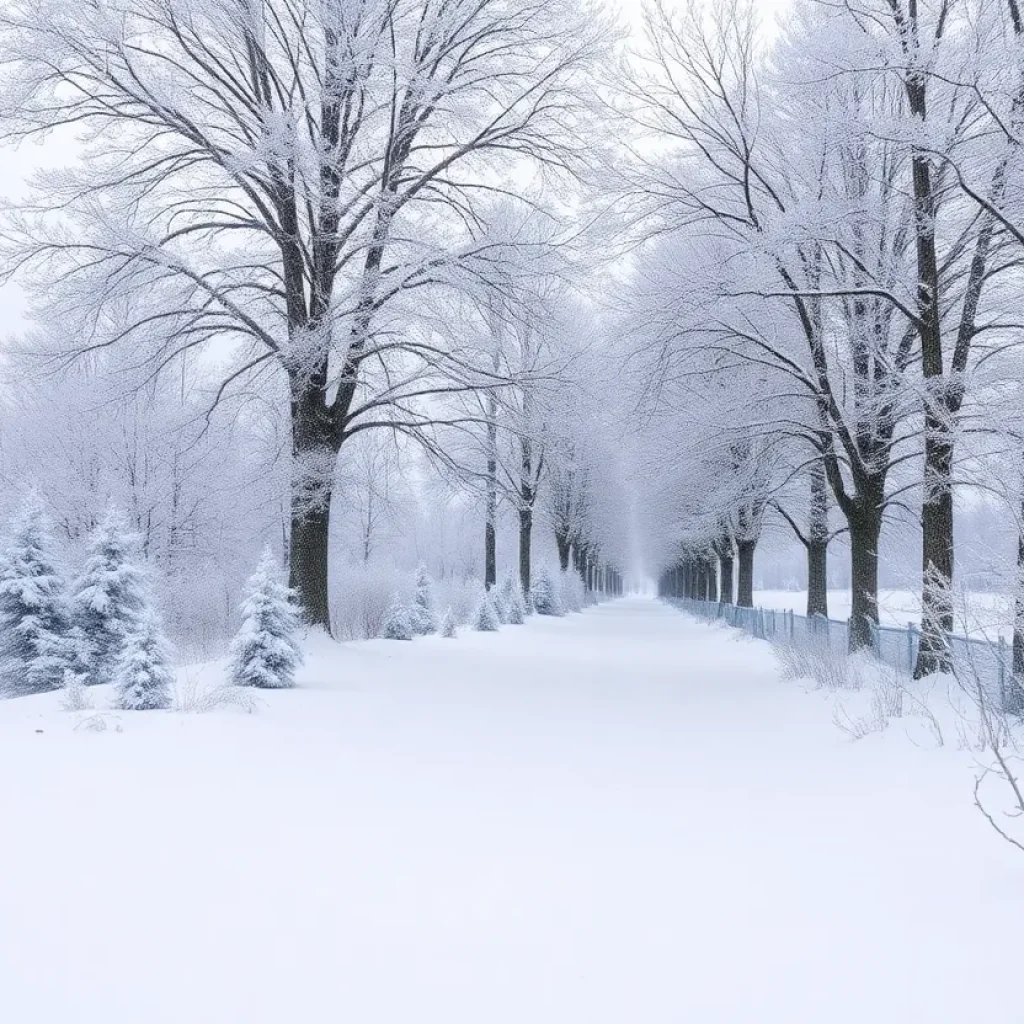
x: 989, y: 664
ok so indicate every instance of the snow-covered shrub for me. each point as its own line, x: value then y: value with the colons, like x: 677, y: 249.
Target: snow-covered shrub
x: 813, y: 658
x: 108, y: 596
x: 486, y: 619
x: 398, y: 624
x: 360, y: 604
x: 511, y: 596
x: 421, y: 614
x: 448, y: 625
x: 144, y: 678
x: 75, y: 693
x: 572, y: 590
x: 461, y: 595
x: 35, y: 643
x: 499, y: 605
x: 266, y: 651
x: 194, y: 695
x: 545, y: 593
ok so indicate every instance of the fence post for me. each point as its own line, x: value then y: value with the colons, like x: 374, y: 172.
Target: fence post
x: 910, y: 647
x: 792, y: 624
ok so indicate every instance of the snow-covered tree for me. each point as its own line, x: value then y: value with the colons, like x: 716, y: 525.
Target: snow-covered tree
x: 144, y: 677
x: 108, y: 596
x: 398, y: 624
x: 266, y: 651
x: 486, y: 619
x: 448, y: 625
x: 546, y: 600
x: 511, y: 597
x: 421, y: 616
x: 34, y: 642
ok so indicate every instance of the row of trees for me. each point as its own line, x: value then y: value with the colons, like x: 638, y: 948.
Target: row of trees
x: 830, y: 280
x: 344, y: 214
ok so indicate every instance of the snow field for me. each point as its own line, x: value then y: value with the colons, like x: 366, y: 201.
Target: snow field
x: 619, y: 816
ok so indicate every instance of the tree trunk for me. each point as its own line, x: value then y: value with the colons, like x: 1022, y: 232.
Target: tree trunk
x: 712, y: 578
x: 525, y: 541
x: 315, y: 447
x: 817, y: 544
x: 937, y: 550
x: 725, y: 562
x: 490, y: 536
x: 864, y: 532
x: 562, y: 540
x: 745, y: 581
x: 308, y: 564
x: 1014, y: 696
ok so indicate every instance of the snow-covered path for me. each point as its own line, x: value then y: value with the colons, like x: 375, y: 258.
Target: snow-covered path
x: 621, y: 816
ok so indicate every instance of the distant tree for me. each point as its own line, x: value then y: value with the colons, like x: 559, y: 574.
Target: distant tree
x: 448, y: 627
x: 422, y: 618
x: 398, y: 624
x: 545, y: 593
x: 486, y: 619
x: 144, y: 678
x: 108, y: 596
x: 266, y: 652
x: 511, y: 596
x: 33, y: 607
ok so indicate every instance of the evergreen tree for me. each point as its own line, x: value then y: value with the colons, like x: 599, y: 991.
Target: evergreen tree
x: 144, y: 678
x: 266, y: 652
x: 512, y: 599
x: 422, y: 618
x: 397, y: 625
x: 109, y: 595
x: 448, y: 629
x: 545, y: 593
x: 34, y: 625
x: 486, y: 619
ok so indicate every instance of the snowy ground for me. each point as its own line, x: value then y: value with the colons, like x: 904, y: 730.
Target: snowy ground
x: 620, y: 816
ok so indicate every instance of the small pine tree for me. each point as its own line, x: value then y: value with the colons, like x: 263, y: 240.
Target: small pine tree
x: 109, y: 595
x: 144, y: 677
x: 448, y: 630
x: 265, y: 652
x: 397, y: 625
x: 486, y: 619
x: 421, y: 616
x: 545, y: 593
x: 34, y: 624
x: 512, y: 600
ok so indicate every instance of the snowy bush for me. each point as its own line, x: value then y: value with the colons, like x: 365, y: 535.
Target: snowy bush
x: 35, y: 641
x: 572, y: 591
x: 266, y: 651
x: 75, y: 693
x: 545, y: 593
x: 144, y: 677
x: 421, y: 615
x: 193, y: 695
x: 461, y: 594
x: 511, y: 596
x: 361, y: 603
x: 398, y: 624
x: 486, y: 619
x: 448, y: 625
x: 109, y: 595
x: 499, y: 605
x: 813, y: 658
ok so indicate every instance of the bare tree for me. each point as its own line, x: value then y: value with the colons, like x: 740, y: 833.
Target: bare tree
x: 278, y: 175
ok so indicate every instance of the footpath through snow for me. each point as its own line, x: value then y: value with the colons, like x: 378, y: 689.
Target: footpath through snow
x: 617, y: 817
